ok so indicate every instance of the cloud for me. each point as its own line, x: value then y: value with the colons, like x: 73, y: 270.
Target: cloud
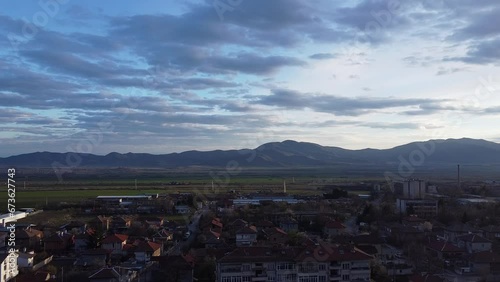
x: 322, y: 56
x: 337, y: 105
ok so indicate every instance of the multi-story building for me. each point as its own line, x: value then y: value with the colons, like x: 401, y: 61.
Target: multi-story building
x: 320, y: 263
x: 420, y: 207
x: 8, y: 266
x: 414, y: 189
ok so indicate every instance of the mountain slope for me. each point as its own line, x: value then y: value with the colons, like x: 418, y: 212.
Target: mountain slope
x: 279, y: 154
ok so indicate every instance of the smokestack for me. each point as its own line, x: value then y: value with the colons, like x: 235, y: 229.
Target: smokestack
x: 458, y: 176
x: 284, y: 186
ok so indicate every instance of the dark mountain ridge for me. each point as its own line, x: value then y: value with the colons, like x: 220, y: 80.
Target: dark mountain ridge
x: 284, y: 154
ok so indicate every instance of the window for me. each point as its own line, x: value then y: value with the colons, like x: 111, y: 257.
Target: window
x: 286, y: 266
x: 245, y: 279
x: 245, y: 267
x: 322, y: 266
x: 322, y: 279
x: 345, y: 277
x: 346, y: 266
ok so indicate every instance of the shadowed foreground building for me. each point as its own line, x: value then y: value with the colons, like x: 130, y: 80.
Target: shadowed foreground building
x: 320, y: 263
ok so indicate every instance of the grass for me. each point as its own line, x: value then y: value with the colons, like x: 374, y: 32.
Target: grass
x: 88, y: 184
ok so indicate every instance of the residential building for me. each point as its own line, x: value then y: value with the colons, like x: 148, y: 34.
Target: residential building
x: 8, y: 266
x: 114, y: 243
x: 333, y: 228
x: 246, y: 236
x: 485, y: 262
x: 289, y: 224
x: 474, y: 243
x: 25, y: 260
x: 319, y: 263
x: 414, y: 189
x: 421, y: 208
x: 58, y: 242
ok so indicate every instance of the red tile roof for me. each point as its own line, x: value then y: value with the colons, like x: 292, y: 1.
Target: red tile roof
x: 325, y: 252
x: 247, y: 230
x: 115, y: 238
x: 333, y: 224
x: 147, y: 247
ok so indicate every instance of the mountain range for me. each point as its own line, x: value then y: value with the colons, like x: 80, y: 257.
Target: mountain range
x: 286, y: 154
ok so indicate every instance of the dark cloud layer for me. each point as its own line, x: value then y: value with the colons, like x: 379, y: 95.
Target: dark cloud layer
x: 198, y: 73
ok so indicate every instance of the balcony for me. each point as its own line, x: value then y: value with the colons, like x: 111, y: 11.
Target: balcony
x: 260, y: 277
x: 335, y: 278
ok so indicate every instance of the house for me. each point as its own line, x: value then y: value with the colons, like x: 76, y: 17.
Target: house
x: 8, y: 266
x: 216, y: 224
x: 333, y: 228
x: 262, y: 224
x: 246, y: 236
x: 143, y: 251
x: 485, y: 262
x: 151, y: 221
x: 58, y: 243
x: 210, y: 239
x: 452, y: 232
x: 276, y: 235
x: 289, y: 224
x: 444, y: 250
x: 82, y: 241
x: 163, y: 235
x: 474, y: 243
x: 106, y: 274
x: 114, y: 243
x: 100, y: 222
x: 119, y: 223
x: 25, y: 260
x: 74, y: 227
x: 238, y: 224
x: 492, y: 232
x: 29, y: 238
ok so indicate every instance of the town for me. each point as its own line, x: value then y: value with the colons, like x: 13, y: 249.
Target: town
x: 410, y: 230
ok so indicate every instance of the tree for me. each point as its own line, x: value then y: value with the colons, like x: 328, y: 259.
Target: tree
x: 205, y: 271
x: 464, y: 217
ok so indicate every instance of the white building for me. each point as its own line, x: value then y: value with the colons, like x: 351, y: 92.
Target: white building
x: 320, y: 263
x: 422, y: 208
x: 414, y: 189
x: 8, y: 266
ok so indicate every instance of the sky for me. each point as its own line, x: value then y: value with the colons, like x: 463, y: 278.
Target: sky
x: 169, y: 76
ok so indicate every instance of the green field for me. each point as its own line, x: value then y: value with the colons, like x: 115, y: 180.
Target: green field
x: 37, y: 188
